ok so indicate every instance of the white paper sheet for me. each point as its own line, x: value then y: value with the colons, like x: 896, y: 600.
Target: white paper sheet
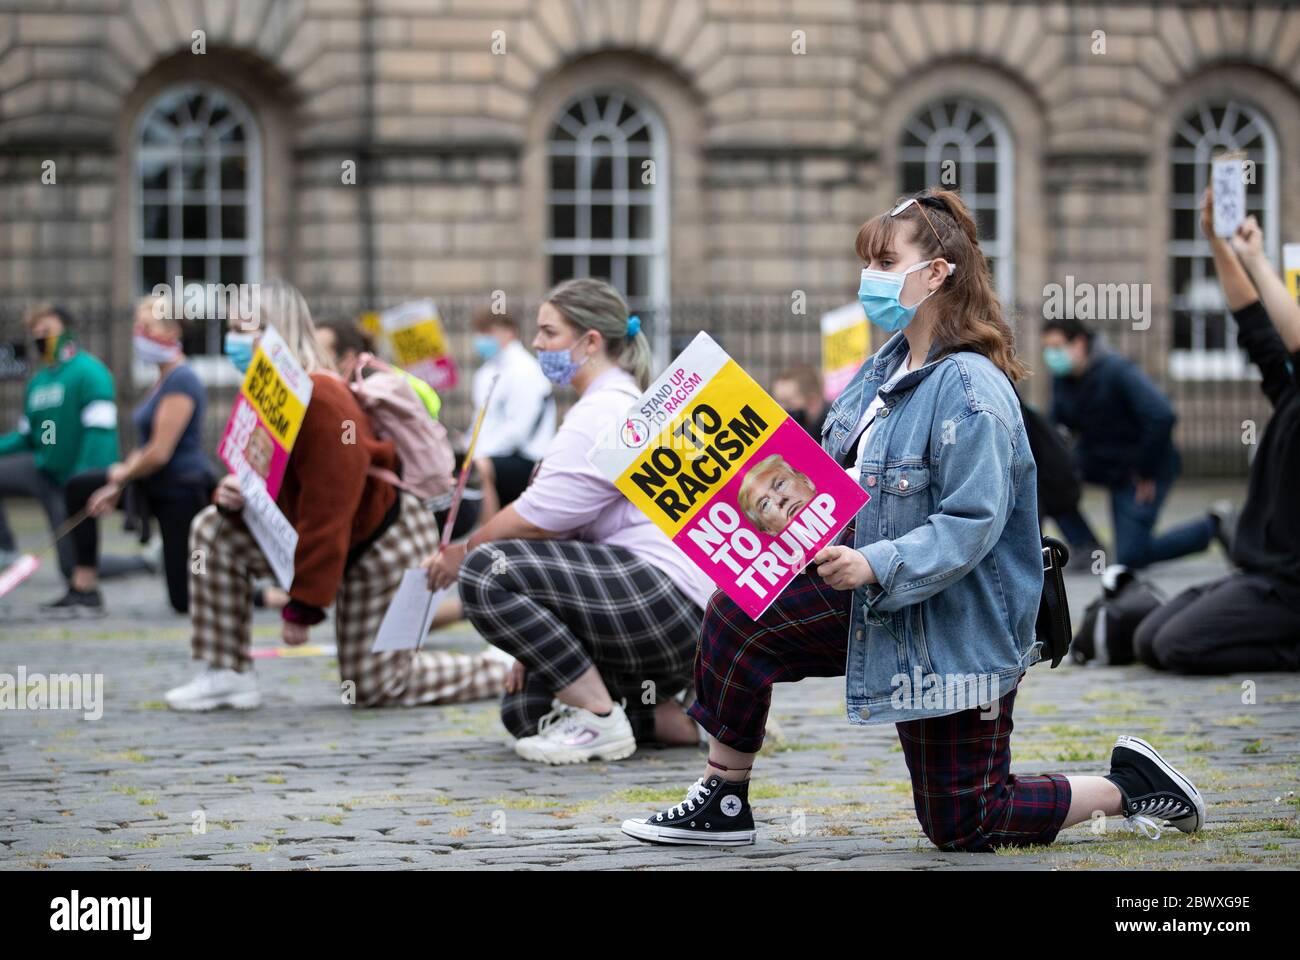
x: 269, y: 527
x: 409, y: 614
x: 1229, y: 180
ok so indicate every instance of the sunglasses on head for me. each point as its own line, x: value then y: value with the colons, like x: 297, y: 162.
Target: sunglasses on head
x: 921, y: 204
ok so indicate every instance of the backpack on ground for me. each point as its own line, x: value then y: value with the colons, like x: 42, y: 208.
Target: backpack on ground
x: 1111, y: 620
x: 397, y: 413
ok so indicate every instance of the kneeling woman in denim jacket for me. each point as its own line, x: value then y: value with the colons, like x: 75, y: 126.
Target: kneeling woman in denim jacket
x: 927, y: 605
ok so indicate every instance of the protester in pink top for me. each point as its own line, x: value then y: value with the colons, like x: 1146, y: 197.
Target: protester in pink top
x: 596, y: 604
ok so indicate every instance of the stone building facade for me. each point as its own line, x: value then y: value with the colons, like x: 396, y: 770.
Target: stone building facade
x: 695, y: 151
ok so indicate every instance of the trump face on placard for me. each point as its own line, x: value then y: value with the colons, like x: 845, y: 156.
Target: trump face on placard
x: 773, y: 493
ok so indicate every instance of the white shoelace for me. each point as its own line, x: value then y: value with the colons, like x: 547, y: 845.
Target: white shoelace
x: 695, y: 795
x: 1143, y: 825
x: 559, y: 715
x: 1148, y: 814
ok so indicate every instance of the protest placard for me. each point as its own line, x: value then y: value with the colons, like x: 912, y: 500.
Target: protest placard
x: 419, y: 342
x: 1228, y: 178
x: 269, y: 527
x: 737, y: 484
x: 1291, y: 268
x: 846, y: 343
x: 268, y: 413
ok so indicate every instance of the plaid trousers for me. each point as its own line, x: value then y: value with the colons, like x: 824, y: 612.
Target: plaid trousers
x: 965, y: 795
x: 221, y: 611
x: 563, y: 606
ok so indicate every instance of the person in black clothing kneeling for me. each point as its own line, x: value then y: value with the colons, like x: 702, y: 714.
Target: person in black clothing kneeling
x: 1250, y: 619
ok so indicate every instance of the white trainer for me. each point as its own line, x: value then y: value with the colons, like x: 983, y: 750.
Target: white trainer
x: 216, y: 687
x: 573, y: 735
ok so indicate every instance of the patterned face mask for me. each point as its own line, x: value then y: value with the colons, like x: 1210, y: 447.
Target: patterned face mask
x: 559, y: 365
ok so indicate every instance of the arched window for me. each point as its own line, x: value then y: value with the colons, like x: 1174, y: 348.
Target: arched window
x: 1204, y: 335
x: 197, y: 203
x: 607, y: 206
x: 959, y: 144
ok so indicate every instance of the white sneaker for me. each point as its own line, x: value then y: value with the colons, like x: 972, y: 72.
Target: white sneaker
x: 573, y: 735
x: 216, y: 687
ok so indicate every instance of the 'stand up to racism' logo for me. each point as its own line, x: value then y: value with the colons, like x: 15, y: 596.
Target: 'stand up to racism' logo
x: 636, y: 433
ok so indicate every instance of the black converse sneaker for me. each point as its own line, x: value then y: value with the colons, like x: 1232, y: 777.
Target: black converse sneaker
x: 714, y: 813
x: 76, y: 603
x: 1152, y: 789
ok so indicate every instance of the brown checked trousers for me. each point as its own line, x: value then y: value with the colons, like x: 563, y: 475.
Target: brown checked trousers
x: 221, y: 611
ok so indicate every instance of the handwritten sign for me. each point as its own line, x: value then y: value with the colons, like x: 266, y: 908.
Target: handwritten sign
x: 1228, y: 178
x: 269, y: 527
x: 268, y: 413
x: 740, y: 487
x: 419, y: 342
x: 846, y: 343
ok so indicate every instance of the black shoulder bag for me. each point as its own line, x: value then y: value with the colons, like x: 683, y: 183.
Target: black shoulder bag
x: 1053, y: 624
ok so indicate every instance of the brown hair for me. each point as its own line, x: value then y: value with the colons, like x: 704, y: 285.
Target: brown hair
x: 347, y: 336
x: 968, y: 313
x: 485, y: 320
x: 806, y: 378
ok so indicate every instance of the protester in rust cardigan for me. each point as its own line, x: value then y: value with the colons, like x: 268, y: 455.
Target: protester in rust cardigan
x: 357, y: 535
x: 336, y: 520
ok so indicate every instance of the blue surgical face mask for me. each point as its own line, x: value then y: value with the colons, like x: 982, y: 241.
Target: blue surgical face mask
x: 879, y: 293
x: 239, y: 348
x: 559, y: 365
x: 1058, y: 361
x: 486, y: 346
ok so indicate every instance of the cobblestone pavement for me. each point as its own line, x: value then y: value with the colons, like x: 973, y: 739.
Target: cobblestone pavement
x: 307, y: 783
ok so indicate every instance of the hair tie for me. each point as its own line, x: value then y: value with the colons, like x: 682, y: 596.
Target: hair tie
x: 633, y: 325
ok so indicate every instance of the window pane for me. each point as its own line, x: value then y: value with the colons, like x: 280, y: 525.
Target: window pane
x: 153, y: 271
x: 232, y: 270
x: 563, y: 173
x: 194, y: 270
x: 986, y: 177
x: 233, y: 225
x: 913, y: 177
x: 561, y: 268
x: 1182, y: 276
x: 638, y: 278
x: 986, y: 224
x: 156, y: 226
x: 1216, y: 330
x: 602, y: 173
x: 563, y: 221
x: 602, y: 222
x: 1182, y: 330
x: 194, y: 222
x: 234, y: 173
x: 155, y: 174
x: 640, y: 221
x: 194, y: 173
x: 1185, y: 178
x: 600, y: 267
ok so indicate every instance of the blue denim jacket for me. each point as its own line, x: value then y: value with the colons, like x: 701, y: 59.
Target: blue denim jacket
x: 951, y: 532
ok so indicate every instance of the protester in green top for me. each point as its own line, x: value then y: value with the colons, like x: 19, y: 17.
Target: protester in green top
x: 69, y: 424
